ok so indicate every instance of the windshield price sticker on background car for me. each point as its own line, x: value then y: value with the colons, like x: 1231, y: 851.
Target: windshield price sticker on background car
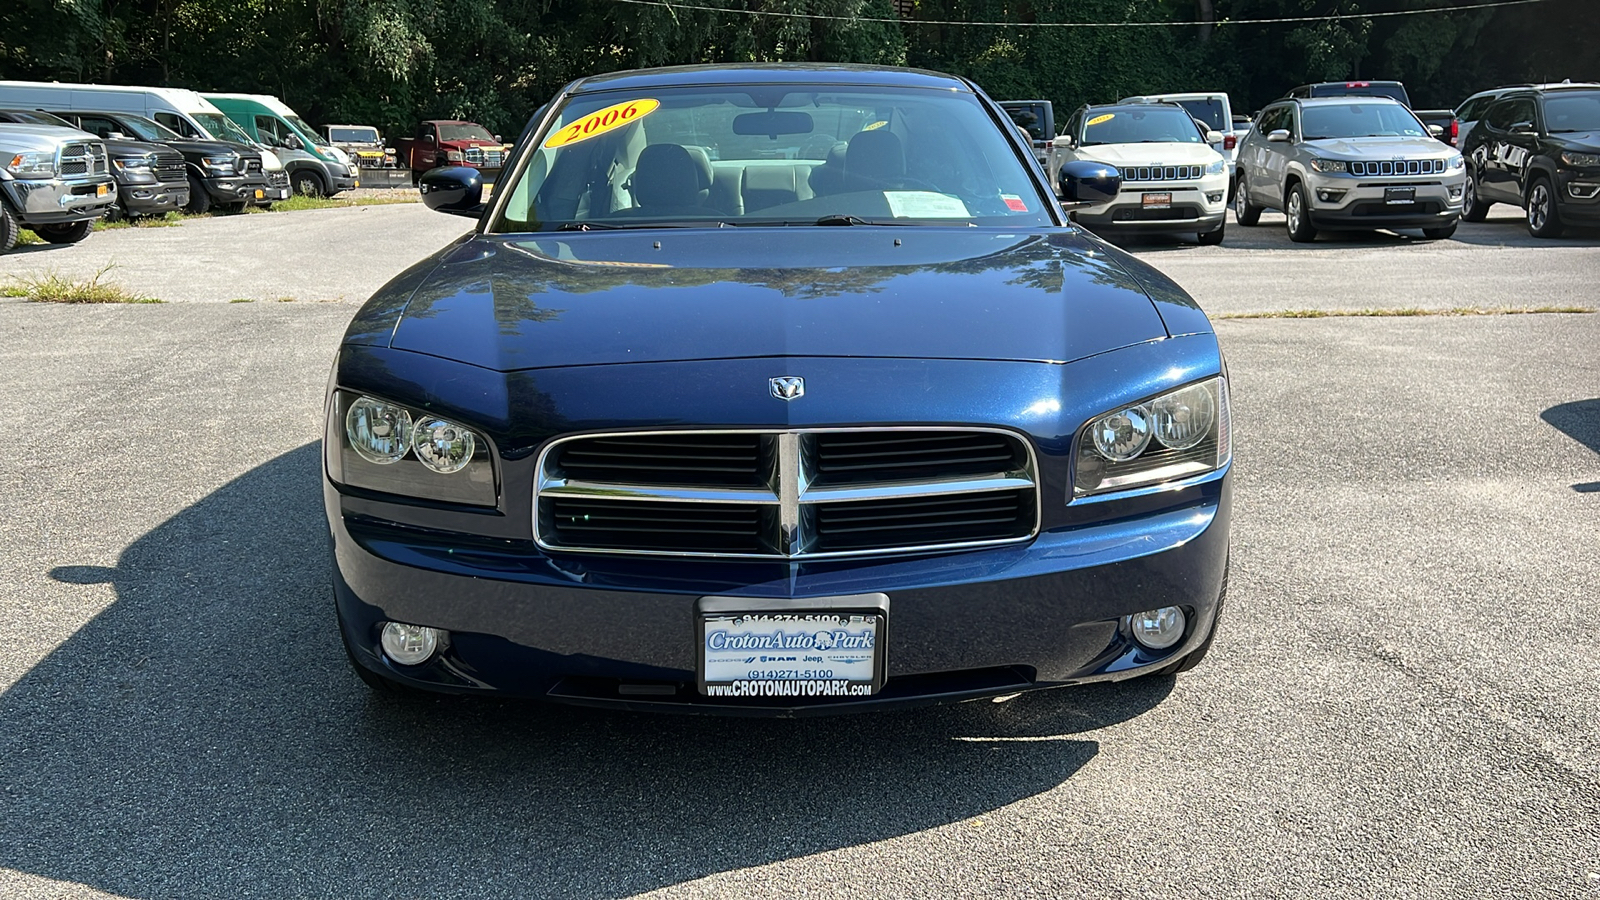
x: 598, y: 123
x: 791, y: 655
x: 1098, y: 120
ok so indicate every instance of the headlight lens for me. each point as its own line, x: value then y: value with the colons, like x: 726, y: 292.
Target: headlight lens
x: 1176, y: 435
x: 1455, y: 162
x: 1330, y: 166
x: 454, y: 156
x: 137, y: 166
x: 1580, y: 159
x: 383, y: 446
x: 32, y: 165
x: 1217, y: 168
x: 221, y: 165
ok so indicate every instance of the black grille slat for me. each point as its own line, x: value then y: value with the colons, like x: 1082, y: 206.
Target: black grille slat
x: 620, y: 525
x: 852, y: 457
x: 732, y: 460
x: 996, y: 515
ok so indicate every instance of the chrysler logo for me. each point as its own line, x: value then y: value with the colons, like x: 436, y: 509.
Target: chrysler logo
x: 787, y: 387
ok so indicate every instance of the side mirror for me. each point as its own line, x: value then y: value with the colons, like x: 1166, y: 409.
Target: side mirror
x: 429, y: 139
x: 116, y: 136
x: 1063, y: 142
x: 1281, y: 136
x: 1213, y: 137
x: 497, y: 139
x: 1436, y: 130
x: 1522, y: 128
x: 1088, y: 183
x: 457, y: 190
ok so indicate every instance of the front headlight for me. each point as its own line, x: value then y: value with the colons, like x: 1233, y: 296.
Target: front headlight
x: 1217, y: 168
x: 32, y: 164
x: 1330, y: 166
x: 137, y: 167
x: 1452, y: 163
x: 454, y: 156
x: 1175, y: 435
x: 221, y: 165
x: 388, y: 447
x: 1583, y: 160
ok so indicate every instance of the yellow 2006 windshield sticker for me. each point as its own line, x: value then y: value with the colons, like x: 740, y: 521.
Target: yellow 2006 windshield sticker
x: 1099, y: 119
x: 596, y: 124
x: 876, y: 125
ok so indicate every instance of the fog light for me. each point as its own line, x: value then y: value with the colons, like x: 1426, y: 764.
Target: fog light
x: 1455, y: 193
x: 1330, y: 196
x: 409, y: 645
x: 1583, y: 191
x: 1157, y: 629
x: 1213, y: 196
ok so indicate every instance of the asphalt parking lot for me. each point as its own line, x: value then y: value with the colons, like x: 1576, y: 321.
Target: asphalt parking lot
x: 1404, y: 699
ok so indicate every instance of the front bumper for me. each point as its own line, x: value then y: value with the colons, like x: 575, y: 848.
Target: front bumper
x: 1352, y: 202
x: 619, y: 632
x: 59, y: 201
x: 1578, y: 197
x: 231, y: 189
x: 1195, y: 208
x: 155, y: 199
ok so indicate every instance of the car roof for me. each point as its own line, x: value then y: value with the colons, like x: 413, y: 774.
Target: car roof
x: 768, y: 73
x: 1343, y: 99
x: 1187, y: 95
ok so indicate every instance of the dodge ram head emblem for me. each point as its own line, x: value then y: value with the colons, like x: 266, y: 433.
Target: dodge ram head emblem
x: 787, y: 387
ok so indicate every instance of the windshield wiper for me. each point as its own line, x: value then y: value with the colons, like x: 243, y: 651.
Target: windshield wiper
x: 842, y: 219
x: 608, y: 226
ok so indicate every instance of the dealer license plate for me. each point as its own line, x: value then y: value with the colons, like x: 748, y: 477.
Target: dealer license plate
x: 261, y: 194
x: 826, y: 648
x: 1161, y: 200
x: 1399, y: 195
x: 100, y: 190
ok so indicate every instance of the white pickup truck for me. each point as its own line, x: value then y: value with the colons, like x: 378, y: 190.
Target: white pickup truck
x: 55, y: 181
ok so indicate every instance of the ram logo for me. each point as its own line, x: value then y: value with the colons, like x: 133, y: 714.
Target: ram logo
x: 787, y: 387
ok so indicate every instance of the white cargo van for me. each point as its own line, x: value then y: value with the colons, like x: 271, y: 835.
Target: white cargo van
x: 181, y: 110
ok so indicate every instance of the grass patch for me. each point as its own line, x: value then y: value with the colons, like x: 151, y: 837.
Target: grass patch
x: 1403, y: 311
x: 55, y: 288
x: 301, y: 201
x: 165, y: 220
x: 243, y: 300
x: 26, y: 238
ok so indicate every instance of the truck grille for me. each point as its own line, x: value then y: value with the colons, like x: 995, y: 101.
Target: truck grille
x: 1398, y: 167
x: 250, y: 166
x: 278, y: 178
x: 786, y: 494
x: 1161, y: 173
x: 486, y: 157
x: 83, y: 160
x: 171, y: 169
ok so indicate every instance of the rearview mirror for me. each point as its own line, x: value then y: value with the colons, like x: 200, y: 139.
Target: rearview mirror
x: 457, y: 190
x: 772, y: 123
x: 1280, y: 136
x: 1088, y: 183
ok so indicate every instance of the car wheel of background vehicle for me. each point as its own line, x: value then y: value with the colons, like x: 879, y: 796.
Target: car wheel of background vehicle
x: 199, y: 201
x: 1440, y: 233
x: 1246, y: 212
x: 309, y: 183
x: 1213, y: 238
x: 10, y: 228
x: 1297, y: 217
x: 1543, y: 220
x: 1199, y: 653
x: 117, y: 213
x: 1473, y: 207
x: 65, y: 234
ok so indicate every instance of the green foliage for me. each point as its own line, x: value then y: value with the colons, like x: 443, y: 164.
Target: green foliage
x: 393, y: 62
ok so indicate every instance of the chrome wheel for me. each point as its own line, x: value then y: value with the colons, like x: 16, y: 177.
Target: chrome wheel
x: 1293, y: 212
x: 1239, y: 202
x: 1469, y: 192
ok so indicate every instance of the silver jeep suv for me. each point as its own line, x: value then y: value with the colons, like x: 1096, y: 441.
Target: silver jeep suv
x: 1348, y: 163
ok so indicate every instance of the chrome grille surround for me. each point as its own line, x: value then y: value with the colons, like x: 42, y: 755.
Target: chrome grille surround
x: 82, y: 159
x: 1161, y: 173
x: 789, y: 501
x: 1369, y: 169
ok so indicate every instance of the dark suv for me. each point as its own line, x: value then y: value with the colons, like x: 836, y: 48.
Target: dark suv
x: 1538, y: 148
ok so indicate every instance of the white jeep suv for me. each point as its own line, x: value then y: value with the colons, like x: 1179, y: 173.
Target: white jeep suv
x: 1172, y: 180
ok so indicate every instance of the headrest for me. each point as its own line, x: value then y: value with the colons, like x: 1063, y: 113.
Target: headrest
x: 667, y: 175
x: 875, y: 154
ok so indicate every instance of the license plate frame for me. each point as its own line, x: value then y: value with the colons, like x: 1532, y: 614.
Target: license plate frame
x: 1156, y: 200
x: 100, y: 190
x: 795, y: 671
x: 1398, y: 196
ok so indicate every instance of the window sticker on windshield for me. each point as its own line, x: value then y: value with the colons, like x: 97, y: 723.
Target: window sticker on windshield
x: 1014, y: 203
x: 925, y: 205
x: 1099, y: 119
x: 876, y: 125
x: 596, y: 124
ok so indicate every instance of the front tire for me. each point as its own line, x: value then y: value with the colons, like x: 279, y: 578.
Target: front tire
x: 1543, y: 219
x: 1246, y: 212
x: 65, y: 234
x: 309, y: 184
x: 199, y: 201
x: 1297, y: 215
x: 1213, y: 238
x: 10, y: 229
x: 1473, y: 207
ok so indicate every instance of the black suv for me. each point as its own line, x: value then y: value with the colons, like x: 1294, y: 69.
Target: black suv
x: 1538, y: 148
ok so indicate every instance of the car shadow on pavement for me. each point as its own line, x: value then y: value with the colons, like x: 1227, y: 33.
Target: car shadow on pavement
x: 1579, y: 420
x: 202, y: 737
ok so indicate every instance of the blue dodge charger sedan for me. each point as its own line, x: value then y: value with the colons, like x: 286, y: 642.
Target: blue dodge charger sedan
x: 775, y: 390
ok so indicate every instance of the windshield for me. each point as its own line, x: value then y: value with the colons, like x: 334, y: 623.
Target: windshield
x: 773, y: 155
x: 23, y: 117
x: 309, y: 132
x: 1352, y: 120
x: 1572, y: 112
x: 464, y: 132
x: 148, y: 130
x: 1139, y: 125
x: 221, y: 128
x: 1209, y: 111
x: 353, y: 135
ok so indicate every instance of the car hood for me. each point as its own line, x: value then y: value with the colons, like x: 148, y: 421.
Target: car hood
x: 1580, y: 142
x: 657, y: 295
x: 1381, y: 147
x: 1150, y: 154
